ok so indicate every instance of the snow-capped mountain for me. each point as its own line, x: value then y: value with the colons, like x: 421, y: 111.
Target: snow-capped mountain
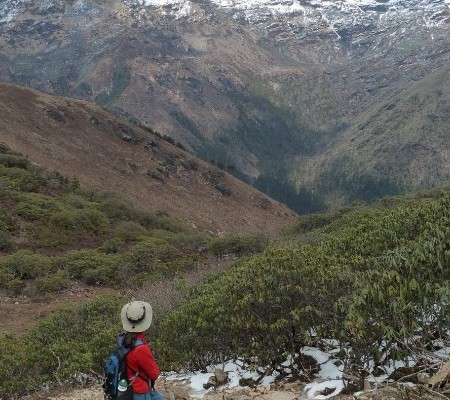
x: 228, y: 78
x: 333, y: 13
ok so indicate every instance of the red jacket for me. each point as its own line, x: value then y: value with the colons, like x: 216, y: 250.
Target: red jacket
x: 141, y: 359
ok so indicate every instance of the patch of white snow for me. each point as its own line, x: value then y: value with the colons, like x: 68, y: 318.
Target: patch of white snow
x: 10, y: 8
x: 313, y: 390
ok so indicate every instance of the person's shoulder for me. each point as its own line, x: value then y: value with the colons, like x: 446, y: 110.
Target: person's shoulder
x: 142, y: 350
x: 141, y: 338
x: 141, y: 341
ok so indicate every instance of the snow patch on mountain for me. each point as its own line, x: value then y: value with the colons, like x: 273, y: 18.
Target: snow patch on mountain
x: 333, y: 13
x: 9, y: 9
x: 336, y: 14
x: 174, y: 8
x: 158, y: 3
x: 276, y: 6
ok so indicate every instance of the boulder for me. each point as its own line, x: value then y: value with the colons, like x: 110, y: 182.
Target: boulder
x: 219, y: 378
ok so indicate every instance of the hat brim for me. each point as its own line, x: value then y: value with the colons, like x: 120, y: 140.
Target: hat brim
x: 140, y: 326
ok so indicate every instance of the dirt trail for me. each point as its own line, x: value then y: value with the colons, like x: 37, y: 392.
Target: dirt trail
x: 18, y: 314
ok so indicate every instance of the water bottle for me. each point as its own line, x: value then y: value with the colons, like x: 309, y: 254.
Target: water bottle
x: 123, y: 385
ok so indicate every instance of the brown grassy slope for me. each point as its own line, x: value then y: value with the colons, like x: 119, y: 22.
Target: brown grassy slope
x: 81, y: 140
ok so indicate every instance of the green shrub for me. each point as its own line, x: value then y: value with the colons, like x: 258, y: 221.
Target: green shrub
x: 53, y: 283
x: 13, y: 173
x: 117, y: 209
x: 12, y: 160
x: 129, y: 231
x: 6, y: 222
x: 23, y: 264
x: 111, y: 246
x: 15, y: 284
x: 239, y: 245
x: 36, y: 206
x: 161, y: 221
x: 264, y: 307
x: 375, y: 279
x: 6, y: 188
x: 6, y: 242
x: 76, y: 201
x: 70, y: 341
x: 4, y: 149
x: 194, y: 241
x: 88, y: 220
x: 14, y: 359
x: 52, y: 179
x: 89, y: 266
x: 405, y: 297
x: 30, y: 183
x: 148, y: 258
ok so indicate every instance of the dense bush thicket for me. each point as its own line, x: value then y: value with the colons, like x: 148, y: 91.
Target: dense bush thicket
x: 65, y: 348
x: 53, y: 232
x: 375, y: 278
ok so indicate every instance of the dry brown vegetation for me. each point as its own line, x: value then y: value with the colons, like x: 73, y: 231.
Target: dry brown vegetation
x: 103, y: 152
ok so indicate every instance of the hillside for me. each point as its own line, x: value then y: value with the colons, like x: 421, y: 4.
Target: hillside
x: 61, y: 243
x: 83, y: 141
x: 366, y: 287
x: 274, y: 89
x: 397, y: 146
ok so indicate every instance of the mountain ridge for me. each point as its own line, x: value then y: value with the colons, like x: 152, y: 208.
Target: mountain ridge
x: 81, y: 140
x: 228, y: 87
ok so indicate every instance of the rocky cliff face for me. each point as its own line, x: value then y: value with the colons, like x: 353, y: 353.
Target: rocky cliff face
x: 266, y: 87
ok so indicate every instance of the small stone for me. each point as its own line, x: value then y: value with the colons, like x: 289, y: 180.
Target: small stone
x: 423, y: 377
x: 263, y: 389
x: 221, y: 376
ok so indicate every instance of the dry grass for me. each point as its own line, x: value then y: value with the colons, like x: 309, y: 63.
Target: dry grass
x: 81, y: 140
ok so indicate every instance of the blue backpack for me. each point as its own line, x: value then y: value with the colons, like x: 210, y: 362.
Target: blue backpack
x: 116, y: 368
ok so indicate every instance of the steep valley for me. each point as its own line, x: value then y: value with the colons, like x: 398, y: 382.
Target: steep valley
x: 267, y: 89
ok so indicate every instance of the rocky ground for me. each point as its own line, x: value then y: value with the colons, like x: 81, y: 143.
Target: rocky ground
x: 438, y: 387
x: 180, y: 392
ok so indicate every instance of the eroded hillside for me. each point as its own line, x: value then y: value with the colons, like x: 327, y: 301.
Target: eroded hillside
x: 102, y: 151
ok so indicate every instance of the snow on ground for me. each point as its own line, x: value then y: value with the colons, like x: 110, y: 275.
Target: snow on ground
x: 235, y: 369
x: 312, y: 389
x: 329, y: 376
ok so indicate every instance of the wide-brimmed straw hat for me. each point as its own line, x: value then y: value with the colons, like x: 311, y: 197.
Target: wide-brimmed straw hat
x: 136, y: 316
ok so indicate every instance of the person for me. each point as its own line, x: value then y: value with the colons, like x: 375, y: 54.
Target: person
x: 142, y: 368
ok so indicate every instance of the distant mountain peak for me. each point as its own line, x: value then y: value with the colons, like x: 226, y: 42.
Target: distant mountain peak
x: 229, y: 78
x: 335, y: 14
